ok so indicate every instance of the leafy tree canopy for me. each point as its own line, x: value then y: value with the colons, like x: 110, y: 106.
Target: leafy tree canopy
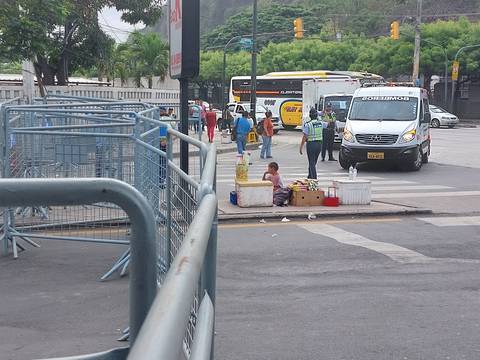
x: 61, y: 35
x: 278, y: 18
x: 380, y: 55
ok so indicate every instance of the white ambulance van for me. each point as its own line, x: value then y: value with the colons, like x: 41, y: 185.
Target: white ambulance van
x: 387, y: 123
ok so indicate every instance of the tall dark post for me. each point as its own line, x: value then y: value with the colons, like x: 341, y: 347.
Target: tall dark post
x: 184, y: 124
x: 223, y: 80
x: 253, y: 95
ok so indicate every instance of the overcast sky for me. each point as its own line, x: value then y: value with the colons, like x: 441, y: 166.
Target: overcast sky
x: 111, y: 23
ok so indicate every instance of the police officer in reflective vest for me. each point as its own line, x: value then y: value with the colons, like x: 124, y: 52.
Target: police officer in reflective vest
x: 312, y: 135
x: 329, y: 118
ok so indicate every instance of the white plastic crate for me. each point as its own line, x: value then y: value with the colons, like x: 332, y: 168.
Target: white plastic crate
x: 254, y: 193
x: 354, y: 192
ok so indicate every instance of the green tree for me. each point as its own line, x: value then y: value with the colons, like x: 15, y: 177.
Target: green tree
x: 149, y: 54
x: 55, y: 33
x: 271, y: 19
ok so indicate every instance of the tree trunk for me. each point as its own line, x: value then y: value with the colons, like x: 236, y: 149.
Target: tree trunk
x: 46, y: 71
x: 150, y: 82
x: 62, y: 70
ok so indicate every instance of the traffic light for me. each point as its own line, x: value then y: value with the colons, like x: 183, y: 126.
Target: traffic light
x: 395, y: 30
x: 298, y: 28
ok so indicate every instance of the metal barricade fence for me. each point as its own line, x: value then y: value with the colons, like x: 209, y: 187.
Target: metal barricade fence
x: 71, y: 138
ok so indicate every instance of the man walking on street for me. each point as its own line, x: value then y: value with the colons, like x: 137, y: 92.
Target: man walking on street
x: 329, y: 118
x: 243, y: 127
x: 312, y: 135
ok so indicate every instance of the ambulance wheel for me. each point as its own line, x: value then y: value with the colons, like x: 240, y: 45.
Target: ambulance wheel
x: 425, y: 157
x: 416, y: 164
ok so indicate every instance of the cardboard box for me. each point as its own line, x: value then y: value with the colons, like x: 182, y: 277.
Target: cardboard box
x: 307, y: 198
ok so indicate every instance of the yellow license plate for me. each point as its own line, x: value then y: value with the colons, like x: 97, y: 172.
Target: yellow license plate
x: 375, y: 155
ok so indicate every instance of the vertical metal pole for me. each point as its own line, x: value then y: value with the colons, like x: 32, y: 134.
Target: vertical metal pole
x: 137, y: 159
x: 454, y: 85
x: 445, y: 94
x: 169, y: 198
x: 6, y: 174
x: 224, y: 75
x: 184, y: 124
x: 253, y: 95
x: 416, y: 54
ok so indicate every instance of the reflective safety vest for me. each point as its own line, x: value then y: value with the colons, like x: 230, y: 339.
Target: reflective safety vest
x: 329, y: 120
x: 314, y: 130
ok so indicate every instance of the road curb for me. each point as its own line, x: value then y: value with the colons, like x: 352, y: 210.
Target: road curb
x: 254, y: 217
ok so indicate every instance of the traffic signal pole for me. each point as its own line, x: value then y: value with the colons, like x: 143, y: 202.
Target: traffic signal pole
x: 454, y: 78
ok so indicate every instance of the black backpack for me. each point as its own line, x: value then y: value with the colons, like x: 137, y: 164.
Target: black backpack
x: 260, y: 128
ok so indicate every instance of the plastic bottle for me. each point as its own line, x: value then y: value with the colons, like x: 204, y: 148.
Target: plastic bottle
x: 350, y: 172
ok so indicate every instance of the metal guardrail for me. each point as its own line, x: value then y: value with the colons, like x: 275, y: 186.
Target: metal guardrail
x: 64, y: 192
x: 125, y: 141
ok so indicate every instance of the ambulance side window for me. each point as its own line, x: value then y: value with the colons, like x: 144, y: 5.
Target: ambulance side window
x: 426, y: 108
x: 420, y: 117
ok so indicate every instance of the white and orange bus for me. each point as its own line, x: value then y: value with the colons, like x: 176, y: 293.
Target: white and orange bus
x: 281, y: 92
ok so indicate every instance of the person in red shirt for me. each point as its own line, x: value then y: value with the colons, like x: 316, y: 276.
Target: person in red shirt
x: 211, y: 118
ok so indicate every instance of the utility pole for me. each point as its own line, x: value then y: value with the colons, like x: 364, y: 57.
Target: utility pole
x: 416, y: 54
x: 28, y: 72
x: 253, y: 93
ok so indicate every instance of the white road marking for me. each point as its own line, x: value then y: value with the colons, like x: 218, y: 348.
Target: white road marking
x: 231, y: 178
x: 394, y: 252
x: 412, y: 187
x: 432, y: 194
x: 453, y: 221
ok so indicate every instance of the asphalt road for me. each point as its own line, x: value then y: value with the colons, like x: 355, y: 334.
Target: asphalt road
x: 353, y: 289
x: 449, y: 183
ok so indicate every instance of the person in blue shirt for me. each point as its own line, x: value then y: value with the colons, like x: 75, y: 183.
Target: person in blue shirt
x: 243, y: 127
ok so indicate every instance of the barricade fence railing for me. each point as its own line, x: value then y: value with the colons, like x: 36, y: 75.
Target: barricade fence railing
x: 68, y: 137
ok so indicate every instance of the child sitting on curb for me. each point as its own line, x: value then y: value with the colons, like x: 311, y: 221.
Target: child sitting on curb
x: 273, y: 176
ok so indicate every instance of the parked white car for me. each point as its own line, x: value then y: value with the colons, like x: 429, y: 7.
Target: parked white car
x: 236, y: 109
x: 441, y: 117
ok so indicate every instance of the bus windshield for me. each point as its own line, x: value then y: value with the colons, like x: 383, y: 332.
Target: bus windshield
x: 340, y: 105
x: 392, y: 108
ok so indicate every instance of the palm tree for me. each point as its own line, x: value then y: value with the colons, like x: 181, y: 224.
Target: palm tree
x: 149, y: 55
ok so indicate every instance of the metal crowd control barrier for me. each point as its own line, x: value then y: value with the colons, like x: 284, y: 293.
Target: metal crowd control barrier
x: 66, y: 137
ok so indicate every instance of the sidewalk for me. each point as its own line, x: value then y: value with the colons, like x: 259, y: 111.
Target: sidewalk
x: 229, y: 212
x: 469, y: 123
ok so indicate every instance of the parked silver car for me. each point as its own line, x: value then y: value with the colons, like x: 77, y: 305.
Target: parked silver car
x: 441, y: 117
